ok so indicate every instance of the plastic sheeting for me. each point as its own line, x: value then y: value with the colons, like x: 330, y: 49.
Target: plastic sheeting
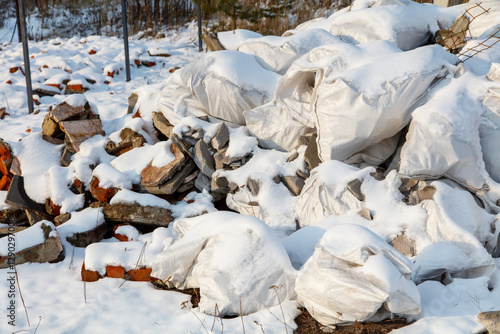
x: 402, y: 22
x: 369, y: 103
x: 443, y: 138
x: 238, y: 263
x: 281, y: 52
x: 354, y: 275
x: 221, y: 84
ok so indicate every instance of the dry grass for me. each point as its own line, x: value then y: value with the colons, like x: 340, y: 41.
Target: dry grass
x: 307, y: 325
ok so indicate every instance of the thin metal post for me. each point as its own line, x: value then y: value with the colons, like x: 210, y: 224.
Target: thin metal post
x: 17, y: 22
x: 125, y: 38
x: 27, y: 68
x: 200, y: 42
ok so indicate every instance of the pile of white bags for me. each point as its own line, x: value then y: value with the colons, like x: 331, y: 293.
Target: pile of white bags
x: 220, y: 84
x: 238, y: 263
x: 354, y: 275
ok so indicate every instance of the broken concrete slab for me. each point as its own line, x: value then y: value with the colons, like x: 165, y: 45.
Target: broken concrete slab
x: 188, y: 183
x: 221, y: 137
x: 172, y: 184
x: 61, y: 219
x: 136, y: 214
x: 454, y: 38
x: 419, y: 195
x: 161, y: 123
x: 404, y: 245
x: 130, y: 139
x: 203, y: 158
x: 79, y: 131
x: 490, y: 320
x: 11, y: 229
x: 355, y: 188
x: 83, y: 239
x: 65, y: 111
x: 293, y: 183
x: 153, y: 176
x: 46, y: 251
x: 51, y: 128
x: 212, y: 42
x: 14, y: 217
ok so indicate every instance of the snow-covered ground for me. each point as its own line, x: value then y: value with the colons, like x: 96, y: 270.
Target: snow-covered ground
x: 322, y: 78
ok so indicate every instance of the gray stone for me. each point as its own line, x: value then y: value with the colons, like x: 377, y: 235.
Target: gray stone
x: 253, y: 186
x: 134, y: 213
x: 303, y: 173
x: 66, y: 157
x: 490, y: 320
x: 311, y: 153
x: 219, y: 159
x: 221, y: 138
x: 61, y: 219
x: 185, y: 148
x: 203, y: 182
x: 154, y: 176
x: 188, y: 183
x: 198, y: 134
x: 203, y: 158
x: 355, y: 188
x: 293, y: 183
x: 48, y: 251
x: 83, y: 239
x: 79, y: 131
x: 189, y: 141
x: 161, y: 123
x: 228, y: 160
x: 220, y: 185
x: 404, y: 245
x: 172, y: 184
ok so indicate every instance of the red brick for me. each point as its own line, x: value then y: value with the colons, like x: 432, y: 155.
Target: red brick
x: 101, y: 194
x: 139, y: 275
x: 77, y: 88
x: 89, y: 275
x: 92, y: 52
x: 115, y: 271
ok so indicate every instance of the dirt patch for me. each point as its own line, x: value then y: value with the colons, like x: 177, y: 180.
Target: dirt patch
x: 195, y: 293
x: 307, y: 325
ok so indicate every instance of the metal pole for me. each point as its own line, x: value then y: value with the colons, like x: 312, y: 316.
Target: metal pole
x: 200, y: 43
x: 125, y: 38
x: 17, y: 22
x: 27, y: 69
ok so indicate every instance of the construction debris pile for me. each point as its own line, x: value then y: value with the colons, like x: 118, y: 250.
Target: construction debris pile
x: 359, y: 154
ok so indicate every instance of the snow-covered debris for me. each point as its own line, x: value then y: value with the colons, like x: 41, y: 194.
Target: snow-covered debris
x: 238, y: 263
x: 354, y: 275
x: 220, y: 84
x: 231, y: 40
x: 281, y: 52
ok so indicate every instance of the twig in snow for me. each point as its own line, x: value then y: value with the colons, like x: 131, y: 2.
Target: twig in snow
x: 275, y: 288
x: 21, y: 294
x: 185, y: 307
x: 39, y: 321
x: 241, y: 315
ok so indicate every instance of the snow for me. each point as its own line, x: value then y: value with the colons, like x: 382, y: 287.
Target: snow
x: 25, y: 239
x: 230, y: 256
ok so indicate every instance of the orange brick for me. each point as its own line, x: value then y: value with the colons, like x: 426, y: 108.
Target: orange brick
x: 89, y: 275
x: 139, y: 275
x: 77, y: 88
x: 92, y: 52
x: 115, y: 271
x: 101, y: 194
x: 5, y: 182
